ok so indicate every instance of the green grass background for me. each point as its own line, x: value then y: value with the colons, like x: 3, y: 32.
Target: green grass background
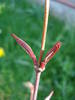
x: 26, y: 21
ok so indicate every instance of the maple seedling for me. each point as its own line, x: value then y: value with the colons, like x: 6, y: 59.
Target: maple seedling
x: 39, y: 66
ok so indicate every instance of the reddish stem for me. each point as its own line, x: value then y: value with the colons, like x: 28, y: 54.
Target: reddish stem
x: 38, y: 73
x: 36, y: 86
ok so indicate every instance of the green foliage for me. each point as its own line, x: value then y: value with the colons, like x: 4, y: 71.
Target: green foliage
x: 26, y: 20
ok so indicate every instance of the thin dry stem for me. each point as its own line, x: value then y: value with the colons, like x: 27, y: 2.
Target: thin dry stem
x: 46, y: 14
x: 45, y: 24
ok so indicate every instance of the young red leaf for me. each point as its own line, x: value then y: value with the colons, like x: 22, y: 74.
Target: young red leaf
x: 26, y: 47
x: 53, y: 51
x: 50, y: 54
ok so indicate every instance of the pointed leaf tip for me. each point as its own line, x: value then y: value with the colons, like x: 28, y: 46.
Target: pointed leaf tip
x: 26, y: 47
x: 14, y: 36
x: 55, y: 48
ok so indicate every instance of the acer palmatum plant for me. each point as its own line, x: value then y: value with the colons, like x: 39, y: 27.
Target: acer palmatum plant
x: 39, y: 66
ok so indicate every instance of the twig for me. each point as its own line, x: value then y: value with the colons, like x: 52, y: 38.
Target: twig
x: 38, y: 73
x: 36, y: 86
x: 47, y: 4
x: 65, y: 2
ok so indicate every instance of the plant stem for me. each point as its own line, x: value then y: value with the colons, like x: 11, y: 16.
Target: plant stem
x: 38, y: 73
x: 45, y: 24
x: 36, y: 86
x: 46, y: 14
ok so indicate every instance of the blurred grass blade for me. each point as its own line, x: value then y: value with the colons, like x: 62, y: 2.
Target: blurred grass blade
x: 31, y: 87
x: 50, y: 95
x: 26, y: 47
